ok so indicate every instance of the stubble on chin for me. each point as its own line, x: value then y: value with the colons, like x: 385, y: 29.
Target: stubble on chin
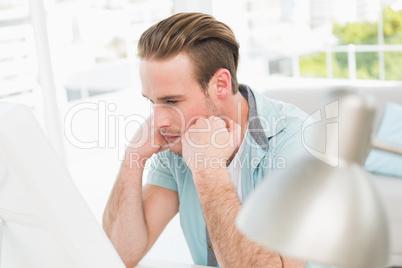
x: 176, y: 149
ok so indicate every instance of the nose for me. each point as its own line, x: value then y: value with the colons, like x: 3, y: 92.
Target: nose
x: 161, y: 117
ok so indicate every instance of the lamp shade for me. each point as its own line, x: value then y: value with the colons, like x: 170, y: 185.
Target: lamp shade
x: 320, y: 212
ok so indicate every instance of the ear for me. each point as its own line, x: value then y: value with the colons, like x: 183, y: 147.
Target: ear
x: 223, y: 83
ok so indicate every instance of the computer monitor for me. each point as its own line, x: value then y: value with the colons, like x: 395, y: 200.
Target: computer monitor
x: 45, y: 222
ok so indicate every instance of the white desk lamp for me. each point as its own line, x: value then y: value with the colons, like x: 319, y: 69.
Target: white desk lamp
x: 325, y: 210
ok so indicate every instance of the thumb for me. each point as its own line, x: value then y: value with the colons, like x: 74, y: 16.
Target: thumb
x: 230, y: 125
x: 235, y: 132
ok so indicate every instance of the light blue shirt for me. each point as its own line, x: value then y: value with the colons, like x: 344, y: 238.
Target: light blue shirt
x: 273, y: 139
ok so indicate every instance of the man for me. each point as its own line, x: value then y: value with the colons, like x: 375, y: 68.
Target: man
x: 212, y: 141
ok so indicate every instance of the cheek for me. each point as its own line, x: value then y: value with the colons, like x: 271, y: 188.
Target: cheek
x: 190, y: 113
x: 190, y: 120
x: 177, y: 117
x: 195, y: 115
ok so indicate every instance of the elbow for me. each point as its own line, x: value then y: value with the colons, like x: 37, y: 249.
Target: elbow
x: 106, y: 223
x: 292, y: 263
x: 130, y: 255
x: 131, y: 249
x: 129, y: 258
x: 130, y: 263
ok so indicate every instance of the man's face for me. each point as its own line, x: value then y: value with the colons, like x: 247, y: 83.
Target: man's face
x: 177, y: 98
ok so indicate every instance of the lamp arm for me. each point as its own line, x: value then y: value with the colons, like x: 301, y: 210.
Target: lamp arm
x: 384, y: 146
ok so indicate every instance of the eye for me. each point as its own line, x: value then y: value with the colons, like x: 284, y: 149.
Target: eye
x: 171, y: 102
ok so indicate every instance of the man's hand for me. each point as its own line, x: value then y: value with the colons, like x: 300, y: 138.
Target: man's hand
x: 209, y: 143
x: 134, y: 216
x: 145, y: 142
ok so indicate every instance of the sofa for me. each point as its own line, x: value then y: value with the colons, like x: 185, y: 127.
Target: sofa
x: 389, y: 186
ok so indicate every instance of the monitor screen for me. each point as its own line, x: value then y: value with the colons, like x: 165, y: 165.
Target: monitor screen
x: 44, y: 221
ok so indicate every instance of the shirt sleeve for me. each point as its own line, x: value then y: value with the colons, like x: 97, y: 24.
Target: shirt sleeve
x: 292, y: 147
x: 159, y: 173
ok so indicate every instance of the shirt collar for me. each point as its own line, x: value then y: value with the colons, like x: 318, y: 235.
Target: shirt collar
x: 254, y: 123
x: 265, y: 120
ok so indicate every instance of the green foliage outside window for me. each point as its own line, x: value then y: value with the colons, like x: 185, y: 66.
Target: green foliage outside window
x: 393, y: 65
x: 356, y: 33
x: 367, y: 63
x: 313, y: 65
x: 340, y: 65
x: 367, y: 66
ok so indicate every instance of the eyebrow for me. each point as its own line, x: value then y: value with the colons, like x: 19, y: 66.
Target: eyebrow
x: 167, y: 97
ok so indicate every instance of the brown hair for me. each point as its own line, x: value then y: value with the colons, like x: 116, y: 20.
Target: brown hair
x: 209, y: 43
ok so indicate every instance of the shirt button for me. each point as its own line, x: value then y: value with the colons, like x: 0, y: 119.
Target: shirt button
x: 210, y: 245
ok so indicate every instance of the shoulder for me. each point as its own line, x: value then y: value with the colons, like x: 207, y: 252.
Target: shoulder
x: 168, y: 162
x: 165, y: 159
x: 278, y: 117
x: 271, y: 107
x: 287, y: 124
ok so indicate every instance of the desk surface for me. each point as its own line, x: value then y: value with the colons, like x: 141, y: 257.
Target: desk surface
x: 162, y: 264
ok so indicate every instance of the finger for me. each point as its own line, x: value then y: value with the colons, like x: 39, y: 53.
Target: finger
x: 202, y: 123
x: 236, y: 133
x: 193, y: 120
x: 230, y: 125
x: 157, y: 140
x: 163, y: 147
x: 220, y: 120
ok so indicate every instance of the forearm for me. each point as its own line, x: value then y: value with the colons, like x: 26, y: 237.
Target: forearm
x: 123, y: 219
x: 221, y: 205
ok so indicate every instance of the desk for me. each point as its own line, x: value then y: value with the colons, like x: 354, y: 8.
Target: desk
x: 162, y: 264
